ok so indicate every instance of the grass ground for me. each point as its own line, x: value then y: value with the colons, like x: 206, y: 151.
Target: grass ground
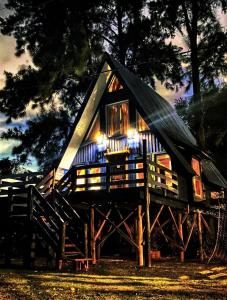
x: 118, y: 280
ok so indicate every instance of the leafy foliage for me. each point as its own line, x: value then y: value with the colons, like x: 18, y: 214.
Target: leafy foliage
x: 43, y: 136
x: 197, y: 22
x: 65, y: 40
x: 215, y: 123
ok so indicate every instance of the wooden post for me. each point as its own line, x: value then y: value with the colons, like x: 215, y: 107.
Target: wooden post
x: 85, y: 239
x: 200, y: 236
x: 108, y: 177
x: 180, y: 226
x: 92, y: 228
x: 147, y: 208
x: 28, y: 258
x: 61, y: 250
x: 73, y: 178
x: 140, y: 236
x: 8, y: 251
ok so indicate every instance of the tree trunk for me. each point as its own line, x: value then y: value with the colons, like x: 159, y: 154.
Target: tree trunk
x: 197, y: 99
x: 120, y: 32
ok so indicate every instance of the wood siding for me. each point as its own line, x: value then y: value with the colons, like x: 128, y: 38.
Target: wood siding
x: 88, y: 151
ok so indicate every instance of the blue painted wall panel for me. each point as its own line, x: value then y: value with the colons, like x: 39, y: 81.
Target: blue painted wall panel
x: 88, y: 152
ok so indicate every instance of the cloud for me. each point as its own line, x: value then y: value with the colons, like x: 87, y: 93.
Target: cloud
x: 8, y: 61
x: 169, y: 94
x: 7, y: 146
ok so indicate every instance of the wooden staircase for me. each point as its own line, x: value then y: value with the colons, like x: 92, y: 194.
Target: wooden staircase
x: 52, y: 218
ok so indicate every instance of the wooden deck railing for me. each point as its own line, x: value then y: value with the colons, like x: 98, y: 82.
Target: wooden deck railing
x: 18, y: 181
x: 108, y: 176
x: 162, y: 177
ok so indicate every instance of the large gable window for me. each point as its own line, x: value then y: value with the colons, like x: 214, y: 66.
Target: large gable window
x: 117, y: 118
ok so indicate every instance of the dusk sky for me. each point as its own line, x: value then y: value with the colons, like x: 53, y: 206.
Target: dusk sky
x: 8, y: 62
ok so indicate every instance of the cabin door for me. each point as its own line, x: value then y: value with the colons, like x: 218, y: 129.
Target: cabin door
x: 117, y: 161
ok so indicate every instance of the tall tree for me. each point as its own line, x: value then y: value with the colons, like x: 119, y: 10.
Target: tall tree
x: 196, y: 20
x: 65, y: 39
x: 215, y: 122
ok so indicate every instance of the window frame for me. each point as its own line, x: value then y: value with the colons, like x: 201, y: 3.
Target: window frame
x: 197, y: 178
x: 106, y: 116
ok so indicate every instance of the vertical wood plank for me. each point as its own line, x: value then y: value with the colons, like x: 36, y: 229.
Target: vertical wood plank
x: 147, y: 208
x: 61, y: 250
x: 200, y: 236
x: 92, y: 230
x: 180, y: 227
x: 8, y: 251
x: 85, y: 239
x: 140, y: 236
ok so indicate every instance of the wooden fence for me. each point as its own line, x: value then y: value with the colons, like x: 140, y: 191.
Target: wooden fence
x: 18, y: 181
x: 107, y: 176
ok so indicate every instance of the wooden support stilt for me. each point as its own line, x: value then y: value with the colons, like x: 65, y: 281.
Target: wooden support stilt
x: 29, y: 247
x: 92, y: 229
x: 136, y: 233
x: 180, y: 225
x: 9, y: 233
x: 140, y: 236
x: 147, y: 229
x: 85, y: 239
x: 200, y: 236
x: 190, y: 232
x: 147, y: 208
x: 61, y: 249
x: 156, y: 219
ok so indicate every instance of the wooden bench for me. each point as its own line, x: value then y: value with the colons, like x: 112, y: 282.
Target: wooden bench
x: 81, y: 263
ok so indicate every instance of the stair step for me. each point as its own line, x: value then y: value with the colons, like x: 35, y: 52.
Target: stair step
x: 69, y: 245
x: 21, y: 215
x: 71, y: 253
x: 19, y: 205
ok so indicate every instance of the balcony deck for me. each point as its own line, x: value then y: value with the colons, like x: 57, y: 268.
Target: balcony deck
x: 120, y: 182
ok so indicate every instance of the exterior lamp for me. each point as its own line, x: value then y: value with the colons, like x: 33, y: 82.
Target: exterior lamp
x: 101, y: 140
x: 133, y: 138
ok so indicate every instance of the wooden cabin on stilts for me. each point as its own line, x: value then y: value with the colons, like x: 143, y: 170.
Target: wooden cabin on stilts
x: 131, y: 175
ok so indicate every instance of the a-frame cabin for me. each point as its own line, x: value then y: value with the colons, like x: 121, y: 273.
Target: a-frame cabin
x: 130, y: 168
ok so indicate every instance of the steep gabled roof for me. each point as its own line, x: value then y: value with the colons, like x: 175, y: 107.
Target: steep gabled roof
x: 157, y: 112
x: 212, y: 174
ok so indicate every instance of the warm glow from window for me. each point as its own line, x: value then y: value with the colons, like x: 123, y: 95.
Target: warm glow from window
x: 165, y: 161
x: 139, y: 175
x: 197, y: 182
x: 117, y: 119
x: 141, y: 124
x: 96, y: 179
x: 80, y: 180
x: 114, y: 85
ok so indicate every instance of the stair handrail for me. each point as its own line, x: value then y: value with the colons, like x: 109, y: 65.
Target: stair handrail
x: 47, y: 205
x: 58, y: 223
x: 66, y: 203
x: 66, y: 208
x: 67, y: 178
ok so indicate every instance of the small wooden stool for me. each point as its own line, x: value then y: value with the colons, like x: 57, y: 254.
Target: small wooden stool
x: 82, y: 263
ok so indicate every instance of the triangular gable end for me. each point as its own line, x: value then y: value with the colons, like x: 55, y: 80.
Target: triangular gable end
x: 115, y: 82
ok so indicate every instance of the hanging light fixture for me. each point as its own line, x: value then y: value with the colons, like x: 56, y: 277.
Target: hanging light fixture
x: 133, y: 138
x: 102, y: 142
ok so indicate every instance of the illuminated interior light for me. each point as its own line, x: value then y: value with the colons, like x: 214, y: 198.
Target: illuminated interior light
x: 133, y: 138
x: 102, y: 141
